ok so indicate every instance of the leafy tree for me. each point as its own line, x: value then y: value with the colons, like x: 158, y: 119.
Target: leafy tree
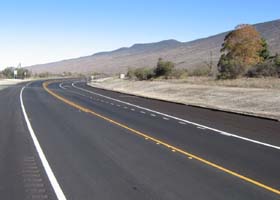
x: 164, y: 68
x: 143, y: 73
x: 241, y: 49
x: 264, y: 53
x: 277, y: 59
x: 23, y: 73
x: 8, y: 72
x: 229, y: 68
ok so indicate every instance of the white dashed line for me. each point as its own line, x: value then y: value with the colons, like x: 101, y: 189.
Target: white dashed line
x: 177, y: 118
x: 132, y: 109
x: 153, y: 115
x: 118, y: 105
x: 182, y: 123
x: 125, y: 107
x: 112, y: 104
x: 165, y: 118
x: 200, y: 127
x: 142, y: 112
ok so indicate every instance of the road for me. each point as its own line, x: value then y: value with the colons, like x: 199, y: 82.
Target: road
x: 66, y: 140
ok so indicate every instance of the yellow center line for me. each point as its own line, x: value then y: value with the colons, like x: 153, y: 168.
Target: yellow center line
x: 146, y: 136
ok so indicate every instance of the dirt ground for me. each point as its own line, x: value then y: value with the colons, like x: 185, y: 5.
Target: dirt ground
x: 8, y: 82
x: 259, y: 97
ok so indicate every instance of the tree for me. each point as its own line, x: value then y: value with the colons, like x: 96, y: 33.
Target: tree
x: 264, y: 53
x: 242, y: 48
x: 164, y: 68
x: 277, y: 59
x: 143, y: 73
x: 23, y: 73
x: 8, y: 72
x: 229, y: 68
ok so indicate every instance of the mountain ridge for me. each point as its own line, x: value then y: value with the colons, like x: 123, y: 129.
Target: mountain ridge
x: 190, y: 55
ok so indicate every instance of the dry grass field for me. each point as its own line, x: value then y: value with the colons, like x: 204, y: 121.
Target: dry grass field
x: 260, y: 97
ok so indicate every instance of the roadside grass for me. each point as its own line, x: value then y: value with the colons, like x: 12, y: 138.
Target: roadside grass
x: 269, y: 83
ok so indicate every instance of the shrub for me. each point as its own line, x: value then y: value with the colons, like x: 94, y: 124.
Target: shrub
x: 130, y: 73
x: 229, y: 69
x: 201, y: 72
x: 163, y: 68
x: 277, y: 59
x: 44, y: 74
x: 8, y: 72
x: 144, y: 73
x: 270, y: 67
x: 178, y: 74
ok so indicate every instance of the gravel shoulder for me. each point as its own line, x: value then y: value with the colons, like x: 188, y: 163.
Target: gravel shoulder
x: 256, y: 101
x: 4, y: 83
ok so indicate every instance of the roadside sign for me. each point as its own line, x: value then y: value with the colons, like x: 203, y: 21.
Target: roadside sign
x: 15, y: 73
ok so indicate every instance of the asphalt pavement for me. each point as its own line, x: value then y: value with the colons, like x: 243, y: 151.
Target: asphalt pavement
x: 101, y: 144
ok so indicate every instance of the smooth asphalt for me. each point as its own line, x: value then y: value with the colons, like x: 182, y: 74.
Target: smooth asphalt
x: 107, y: 145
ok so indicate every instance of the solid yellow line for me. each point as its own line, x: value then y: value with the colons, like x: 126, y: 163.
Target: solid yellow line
x: 146, y: 136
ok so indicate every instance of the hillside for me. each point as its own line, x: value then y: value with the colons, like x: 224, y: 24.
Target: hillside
x: 185, y: 54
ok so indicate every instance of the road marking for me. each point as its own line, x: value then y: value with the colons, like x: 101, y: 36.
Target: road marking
x: 112, y: 104
x: 177, y: 118
x: 125, y: 107
x: 142, y: 112
x: 153, y: 115
x: 182, y: 123
x: 55, y: 185
x: 132, y: 109
x: 146, y: 136
x: 200, y: 127
x: 60, y: 85
x: 165, y: 118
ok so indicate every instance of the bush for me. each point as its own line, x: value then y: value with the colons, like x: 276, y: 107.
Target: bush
x: 277, y: 60
x: 8, y: 72
x: 44, y: 74
x: 144, y: 73
x: 270, y: 67
x: 130, y: 73
x: 200, y: 72
x: 229, y: 69
x: 178, y: 74
x: 163, y: 68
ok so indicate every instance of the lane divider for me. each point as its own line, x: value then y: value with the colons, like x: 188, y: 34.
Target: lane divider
x: 54, y: 183
x: 180, y: 119
x: 157, y: 141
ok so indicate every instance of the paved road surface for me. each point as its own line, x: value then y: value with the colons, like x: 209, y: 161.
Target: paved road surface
x: 106, y: 145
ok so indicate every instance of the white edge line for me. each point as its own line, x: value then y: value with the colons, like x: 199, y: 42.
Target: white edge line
x: 177, y: 118
x: 55, y: 185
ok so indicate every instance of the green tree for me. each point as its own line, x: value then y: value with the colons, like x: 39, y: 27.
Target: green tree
x: 143, y: 73
x: 264, y: 53
x: 23, y: 73
x: 277, y: 59
x: 164, y: 68
x: 8, y: 72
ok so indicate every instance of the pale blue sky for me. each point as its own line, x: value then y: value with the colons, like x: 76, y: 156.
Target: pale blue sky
x: 40, y: 31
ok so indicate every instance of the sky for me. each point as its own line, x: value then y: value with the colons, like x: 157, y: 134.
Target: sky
x: 41, y: 31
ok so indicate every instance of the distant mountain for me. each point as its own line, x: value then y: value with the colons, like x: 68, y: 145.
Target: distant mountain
x: 188, y: 55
